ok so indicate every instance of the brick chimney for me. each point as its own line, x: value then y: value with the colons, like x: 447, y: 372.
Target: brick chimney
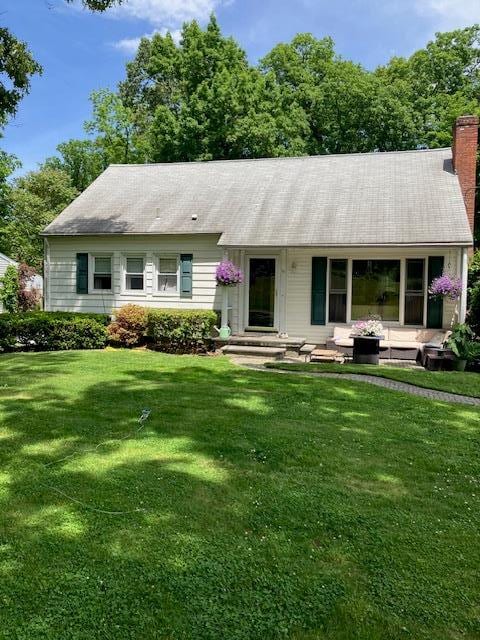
x: 464, y: 159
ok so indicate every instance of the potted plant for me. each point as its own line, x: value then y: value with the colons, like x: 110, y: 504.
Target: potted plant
x: 366, y: 336
x: 461, y: 342
x: 227, y: 275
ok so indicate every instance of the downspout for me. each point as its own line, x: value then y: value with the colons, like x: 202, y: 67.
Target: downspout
x: 464, y: 276
x: 46, y: 274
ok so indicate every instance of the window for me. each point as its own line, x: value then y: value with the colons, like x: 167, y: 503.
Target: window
x: 134, y: 274
x: 337, y: 300
x: 414, y: 291
x: 102, y: 273
x: 168, y: 274
x: 376, y: 289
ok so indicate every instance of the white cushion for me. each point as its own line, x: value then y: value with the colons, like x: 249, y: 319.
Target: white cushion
x: 342, y: 332
x: 344, y: 342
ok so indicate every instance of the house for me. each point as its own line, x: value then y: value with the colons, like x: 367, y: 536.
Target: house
x: 322, y: 240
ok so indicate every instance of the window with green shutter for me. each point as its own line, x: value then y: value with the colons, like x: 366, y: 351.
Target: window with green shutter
x: 186, y: 273
x: 82, y: 272
x: 434, y: 305
x: 319, y: 290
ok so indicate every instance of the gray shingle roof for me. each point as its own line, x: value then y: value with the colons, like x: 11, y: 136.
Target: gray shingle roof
x: 359, y: 199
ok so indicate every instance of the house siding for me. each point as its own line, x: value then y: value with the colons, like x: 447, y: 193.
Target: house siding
x: 294, y: 277
x: 299, y: 282
x: 60, y: 271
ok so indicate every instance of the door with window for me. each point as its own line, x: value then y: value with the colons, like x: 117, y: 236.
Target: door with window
x: 261, y: 292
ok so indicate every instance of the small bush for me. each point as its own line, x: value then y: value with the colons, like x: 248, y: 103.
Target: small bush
x: 9, y: 288
x: 52, y: 331
x: 180, y: 331
x: 129, y: 326
x: 28, y: 295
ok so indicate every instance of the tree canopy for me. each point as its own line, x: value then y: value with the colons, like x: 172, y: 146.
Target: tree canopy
x: 201, y: 99
x: 33, y: 202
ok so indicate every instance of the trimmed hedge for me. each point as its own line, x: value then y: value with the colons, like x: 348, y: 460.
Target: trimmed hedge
x: 52, y: 331
x: 180, y: 331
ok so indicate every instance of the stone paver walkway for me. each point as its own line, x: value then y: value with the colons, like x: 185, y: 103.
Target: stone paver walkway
x: 386, y: 383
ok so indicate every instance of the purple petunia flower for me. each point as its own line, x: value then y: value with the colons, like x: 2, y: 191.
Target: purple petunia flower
x: 446, y: 286
x: 228, y: 275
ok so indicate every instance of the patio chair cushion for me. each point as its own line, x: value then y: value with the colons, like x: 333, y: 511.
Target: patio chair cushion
x: 344, y: 342
x: 342, y: 332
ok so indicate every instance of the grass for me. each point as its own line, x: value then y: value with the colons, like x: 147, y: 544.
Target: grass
x: 463, y: 383
x: 248, y: 506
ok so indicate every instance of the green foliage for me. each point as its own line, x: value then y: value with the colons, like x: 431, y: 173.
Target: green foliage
x: 52, y: 331
x: 118, y: 140
x: 250, y: 505
x: 81, y: 159
x: 10, y: 288
x: 98, y: 5
x: 180, y: 331
x: 461, y: 342
x: 473, y: 315
x: 17, y: 66
x: 128, y: 328
x: 33, y: 202
x: 202, y: 100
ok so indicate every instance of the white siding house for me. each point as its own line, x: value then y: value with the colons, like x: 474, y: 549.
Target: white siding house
x: 322, y: 241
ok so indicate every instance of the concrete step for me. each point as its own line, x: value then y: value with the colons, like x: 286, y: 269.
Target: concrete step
x: 258, y: 351
x: 252, y: 340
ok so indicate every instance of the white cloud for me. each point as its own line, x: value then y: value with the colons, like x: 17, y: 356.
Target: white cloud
x: 170, y: 12
x: 450, y: 13
x: 130, y: 45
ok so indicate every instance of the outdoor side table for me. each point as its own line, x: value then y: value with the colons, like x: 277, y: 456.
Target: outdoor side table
x: 366, y: 349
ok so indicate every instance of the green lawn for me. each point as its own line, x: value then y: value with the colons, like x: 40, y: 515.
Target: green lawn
x: 250, y: 506
x: 464, y: 383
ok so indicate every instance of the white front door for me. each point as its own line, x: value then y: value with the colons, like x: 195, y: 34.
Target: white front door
x: 261, y: 293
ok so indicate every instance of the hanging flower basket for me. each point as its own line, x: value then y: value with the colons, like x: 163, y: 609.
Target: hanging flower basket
x: 446, y: 286
x: 228, y: 274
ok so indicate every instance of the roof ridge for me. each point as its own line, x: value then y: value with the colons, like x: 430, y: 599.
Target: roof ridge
x: 277, y: 159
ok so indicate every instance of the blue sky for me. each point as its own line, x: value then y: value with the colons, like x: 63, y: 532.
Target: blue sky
x: 80, y: 51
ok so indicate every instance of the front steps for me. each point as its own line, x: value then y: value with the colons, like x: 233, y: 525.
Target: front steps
x: 261, y: 345
x: 258, y: 352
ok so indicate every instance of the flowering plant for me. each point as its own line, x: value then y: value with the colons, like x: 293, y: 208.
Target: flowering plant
x: 445, y: 286
x: 228, y: 275
x: 368, y: 328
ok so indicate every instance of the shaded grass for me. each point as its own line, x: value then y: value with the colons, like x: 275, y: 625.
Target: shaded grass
x: 253, y: 506
x: 463, y: 383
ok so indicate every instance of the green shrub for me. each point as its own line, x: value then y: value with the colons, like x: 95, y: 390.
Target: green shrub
x: 180, y: 331
x: 129, y: 326
x: 52, y: 331
x: 9, y: 288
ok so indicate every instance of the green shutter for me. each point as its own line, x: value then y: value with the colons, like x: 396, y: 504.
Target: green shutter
x: 186, y: 261
x: 319, y: 290
x: 82, y: 272
x: 434, y: 306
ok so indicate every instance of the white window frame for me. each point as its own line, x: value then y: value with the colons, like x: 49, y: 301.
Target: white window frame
x: 170, y: 256
x: 403, y: 275
x: 134, y: 292
x: 91, y: 273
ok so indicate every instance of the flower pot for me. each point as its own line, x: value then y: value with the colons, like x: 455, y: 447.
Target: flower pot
x: 458, y: 364
x: 366, y: 349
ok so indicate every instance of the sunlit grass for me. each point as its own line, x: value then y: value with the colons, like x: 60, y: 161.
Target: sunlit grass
x: 248, y: 505
x: 462, y: 383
